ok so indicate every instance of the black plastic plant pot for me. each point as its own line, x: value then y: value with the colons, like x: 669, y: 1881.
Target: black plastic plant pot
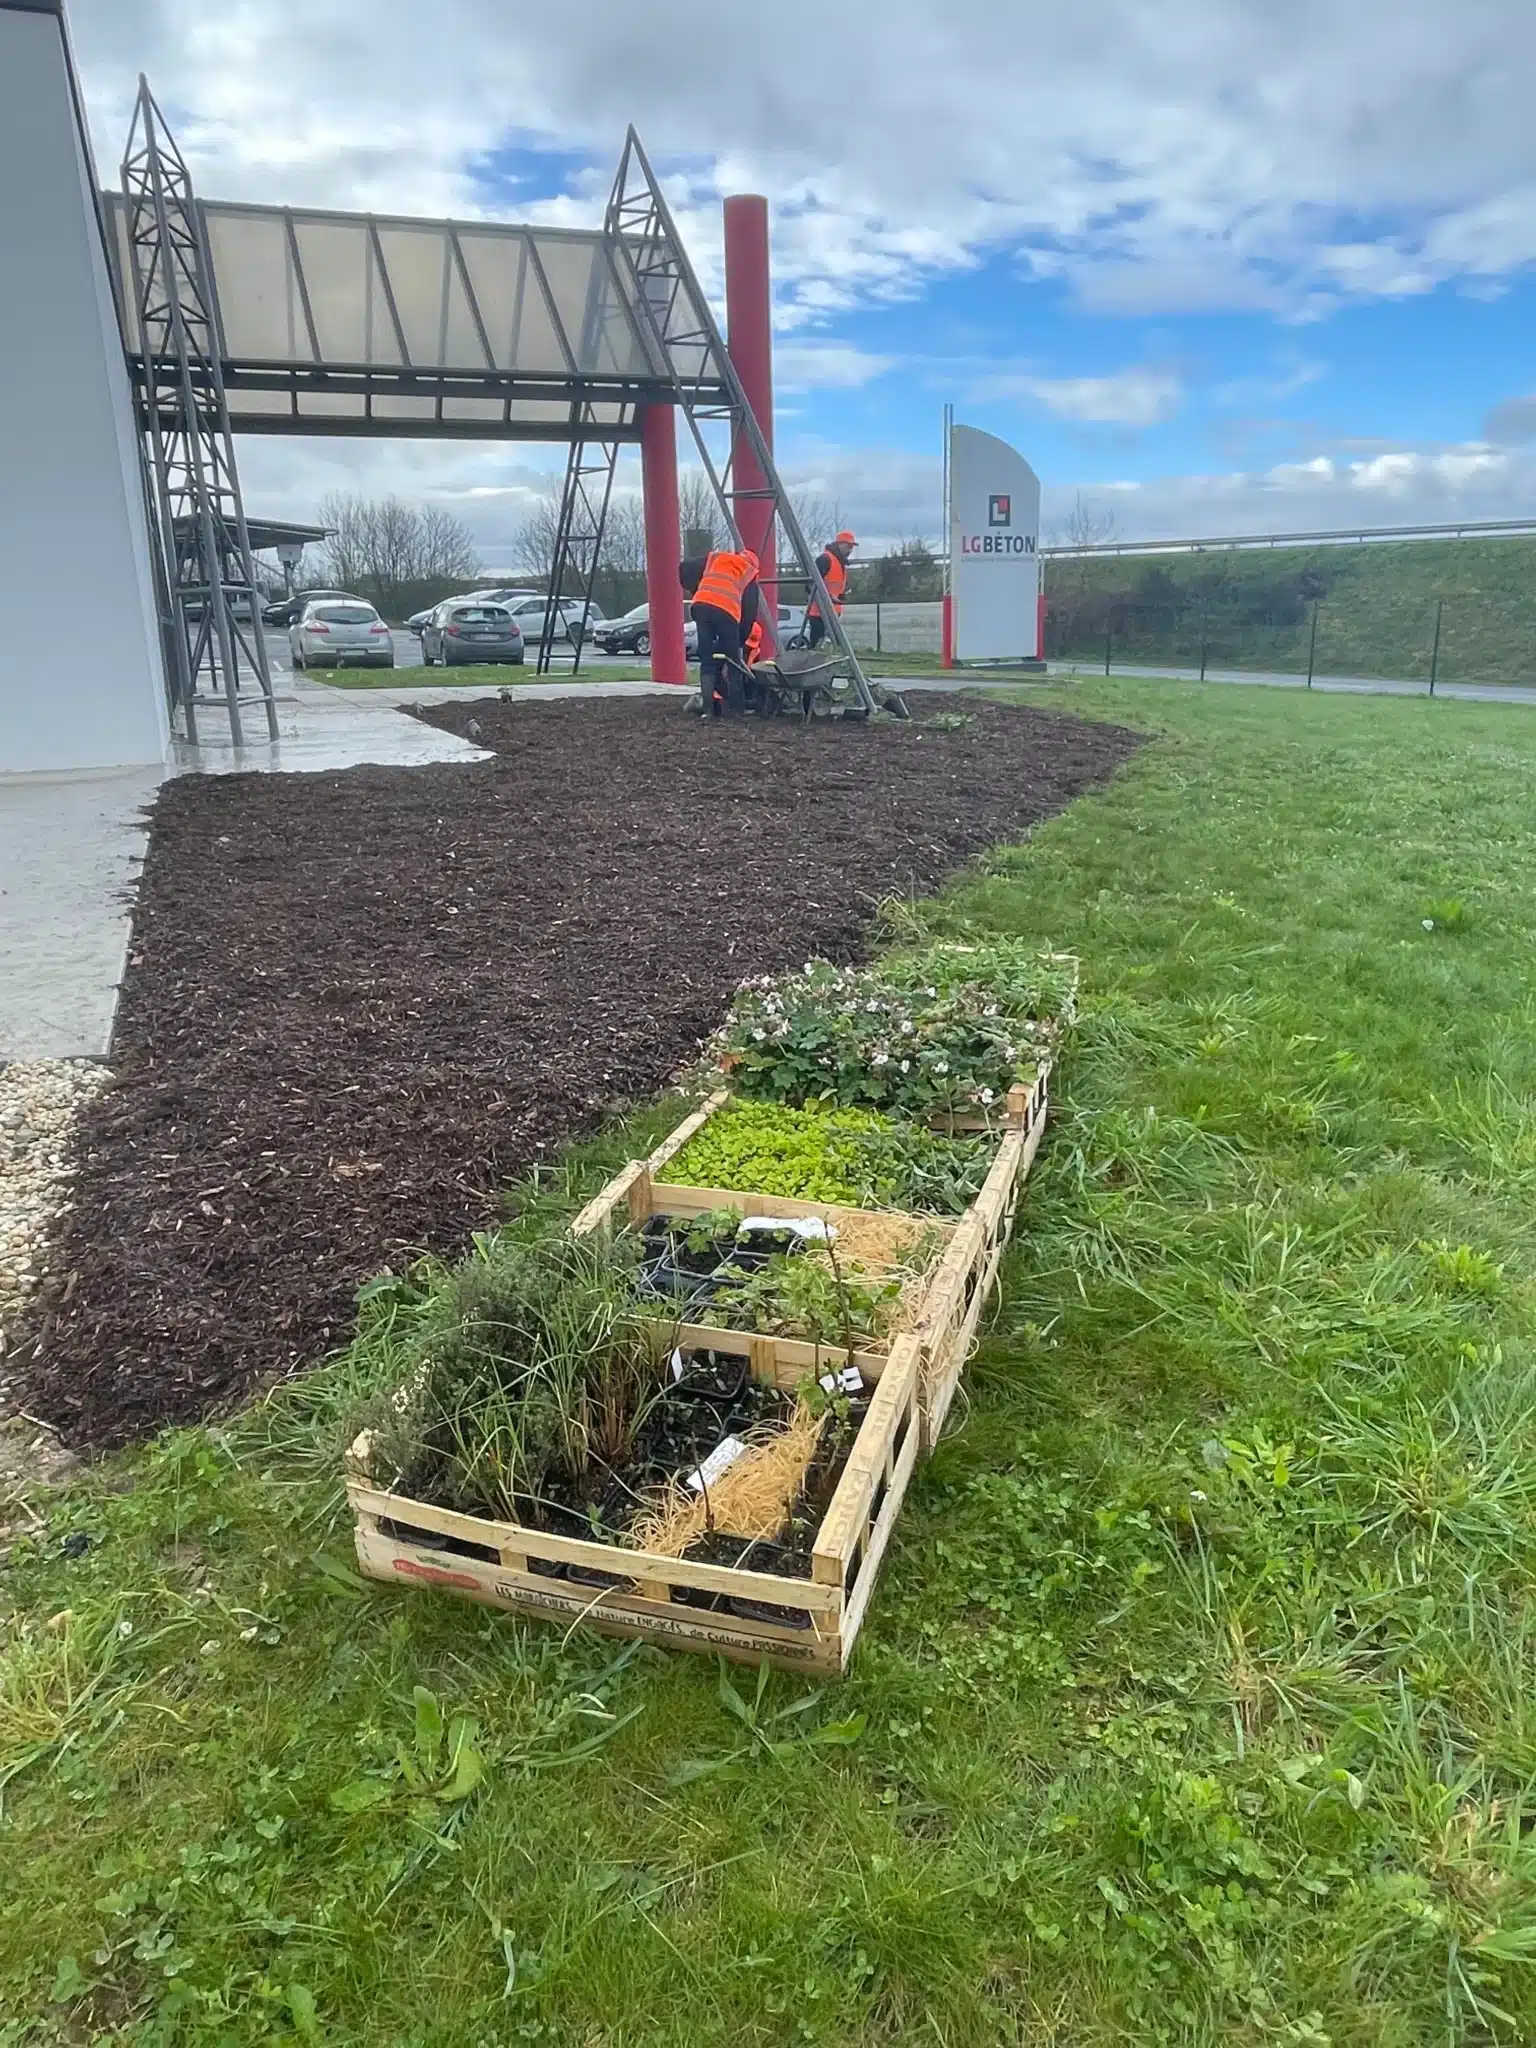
x: 710, y: 1375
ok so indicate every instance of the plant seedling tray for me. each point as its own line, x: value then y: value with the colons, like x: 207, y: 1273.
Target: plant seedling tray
x: 802, y: 1624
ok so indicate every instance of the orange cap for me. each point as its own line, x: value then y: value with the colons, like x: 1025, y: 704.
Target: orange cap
x: 847, y: 536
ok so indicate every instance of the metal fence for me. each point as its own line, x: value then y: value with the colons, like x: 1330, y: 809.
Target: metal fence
x: 1426, y: 639
x: 1430, y: 641
x: 894, y: 627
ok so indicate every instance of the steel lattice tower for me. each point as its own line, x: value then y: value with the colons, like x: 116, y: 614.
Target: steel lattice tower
x: 207, y: 551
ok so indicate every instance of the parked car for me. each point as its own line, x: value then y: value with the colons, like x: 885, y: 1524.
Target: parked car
x: 417, y: 622
x: 336, y: 632
x: 792, y: 625
x: 460, y: 631
x: 287, y: 611
x: 632, y: 633
x: 530, y: 607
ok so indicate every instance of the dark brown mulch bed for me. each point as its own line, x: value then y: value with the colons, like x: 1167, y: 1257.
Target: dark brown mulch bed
x: 357, y: 1003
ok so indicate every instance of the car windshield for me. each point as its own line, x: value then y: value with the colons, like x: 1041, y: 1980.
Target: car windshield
x: 344, y: 614
x: 483, y: 614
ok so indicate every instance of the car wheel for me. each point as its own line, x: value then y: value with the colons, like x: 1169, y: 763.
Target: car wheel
x: 296, y: 657
x: 517, y: 661
x: 798, y: 640
x: 642, y: 643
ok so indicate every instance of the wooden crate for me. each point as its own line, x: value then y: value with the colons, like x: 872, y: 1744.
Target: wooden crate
x: 957, y: 1290
x: 807, y: 1625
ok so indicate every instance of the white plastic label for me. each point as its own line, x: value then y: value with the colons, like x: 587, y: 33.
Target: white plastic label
x: 849, y: 1381
x: 720, y: 1460
x: 677, y: 1366
x: 812, y: 1229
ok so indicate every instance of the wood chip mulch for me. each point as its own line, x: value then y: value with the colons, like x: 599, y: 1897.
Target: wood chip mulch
x: 357, y: 1003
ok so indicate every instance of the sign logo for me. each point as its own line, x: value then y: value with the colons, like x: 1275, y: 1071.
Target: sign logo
x: 999, y: 511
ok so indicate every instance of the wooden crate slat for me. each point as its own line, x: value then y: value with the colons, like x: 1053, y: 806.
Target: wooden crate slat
x: 599, y: 1212
x: 846, y: 1516
x: 678, y: 1627
x: 737, y: 1581
x: 879, y: 1538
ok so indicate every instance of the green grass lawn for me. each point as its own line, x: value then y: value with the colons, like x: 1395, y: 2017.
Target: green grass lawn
x: 476, y: 675
x: 1198, y: 1702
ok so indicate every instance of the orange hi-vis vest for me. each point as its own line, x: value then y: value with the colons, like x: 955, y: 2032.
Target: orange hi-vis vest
x: 725, y: 580
x: 836, y: 580
x: 754, y: 647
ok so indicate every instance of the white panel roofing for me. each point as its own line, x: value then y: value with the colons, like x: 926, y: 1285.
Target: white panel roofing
x: 303, y: 289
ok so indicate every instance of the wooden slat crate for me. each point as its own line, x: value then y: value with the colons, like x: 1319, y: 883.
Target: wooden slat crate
x: 955, y: 1290
x: 807, y: 1625
x: 959, y: 1287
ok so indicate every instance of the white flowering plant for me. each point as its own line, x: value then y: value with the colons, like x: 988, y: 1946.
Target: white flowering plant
x: 948, y: 1031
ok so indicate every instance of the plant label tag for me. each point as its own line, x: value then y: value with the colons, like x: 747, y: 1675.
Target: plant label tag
x: 849, y: 1381
x: 677, y: 1366
x: 719, y: 1461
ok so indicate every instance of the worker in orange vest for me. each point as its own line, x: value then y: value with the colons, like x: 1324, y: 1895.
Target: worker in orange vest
x: 753, y: 652
x: 832, y: 568
x: 725, y: 593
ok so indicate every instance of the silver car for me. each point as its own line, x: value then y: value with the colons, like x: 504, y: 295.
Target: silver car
x: 530, y: 610
x: 334, y: 634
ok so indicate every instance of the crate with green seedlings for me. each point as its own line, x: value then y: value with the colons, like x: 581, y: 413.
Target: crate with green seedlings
x: 853, y: 1156
x: 561, y: 1443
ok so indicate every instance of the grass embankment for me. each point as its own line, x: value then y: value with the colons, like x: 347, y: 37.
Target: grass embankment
x: 1196, y: 1703
x: 1376, y: 609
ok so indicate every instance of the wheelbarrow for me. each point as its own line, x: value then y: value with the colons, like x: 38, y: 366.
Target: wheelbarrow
x: 802, y: 679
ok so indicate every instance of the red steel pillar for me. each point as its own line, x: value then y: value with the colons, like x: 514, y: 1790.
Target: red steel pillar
x: 749, y: 319
x: 663, y: 542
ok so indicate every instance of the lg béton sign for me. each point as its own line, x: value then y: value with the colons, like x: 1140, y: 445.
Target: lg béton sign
x: 994, y: 543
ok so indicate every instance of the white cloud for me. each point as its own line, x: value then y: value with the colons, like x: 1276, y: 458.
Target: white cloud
x: 1138, y: 397
x: 886, y: 494
x: 1200, y: 154
x: 825, y: 366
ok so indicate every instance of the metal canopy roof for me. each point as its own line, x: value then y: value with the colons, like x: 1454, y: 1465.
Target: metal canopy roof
x: 335, y: 323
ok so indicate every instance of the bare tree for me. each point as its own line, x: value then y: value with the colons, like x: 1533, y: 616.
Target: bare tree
x: 698, y: 512
x: 390, y: 547
x: 534, y: 538
x: 1085, y: 526
x: 624, y: 535
x: 446, y: 546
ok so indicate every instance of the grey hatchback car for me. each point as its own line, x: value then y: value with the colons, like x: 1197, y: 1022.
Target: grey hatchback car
x: 461, y: 631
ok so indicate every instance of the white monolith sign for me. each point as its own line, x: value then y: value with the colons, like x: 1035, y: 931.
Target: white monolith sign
x: 81, y: 676
x: 994, y: 511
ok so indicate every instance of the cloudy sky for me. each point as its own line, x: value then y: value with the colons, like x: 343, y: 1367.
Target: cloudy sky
x: 1217, y: 265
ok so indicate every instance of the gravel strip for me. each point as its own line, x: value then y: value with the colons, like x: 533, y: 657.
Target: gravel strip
x: 40, y: 1104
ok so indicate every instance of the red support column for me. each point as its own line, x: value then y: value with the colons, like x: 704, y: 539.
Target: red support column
x: 947, y: 632
x: 749, y: 318
x: 663, y: 543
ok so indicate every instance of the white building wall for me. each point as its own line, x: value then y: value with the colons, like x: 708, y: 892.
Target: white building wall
x: 81, y: 678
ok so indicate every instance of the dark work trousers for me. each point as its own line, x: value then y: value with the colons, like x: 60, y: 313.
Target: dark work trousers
x: 815, y: 630
x: 719, y: 635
